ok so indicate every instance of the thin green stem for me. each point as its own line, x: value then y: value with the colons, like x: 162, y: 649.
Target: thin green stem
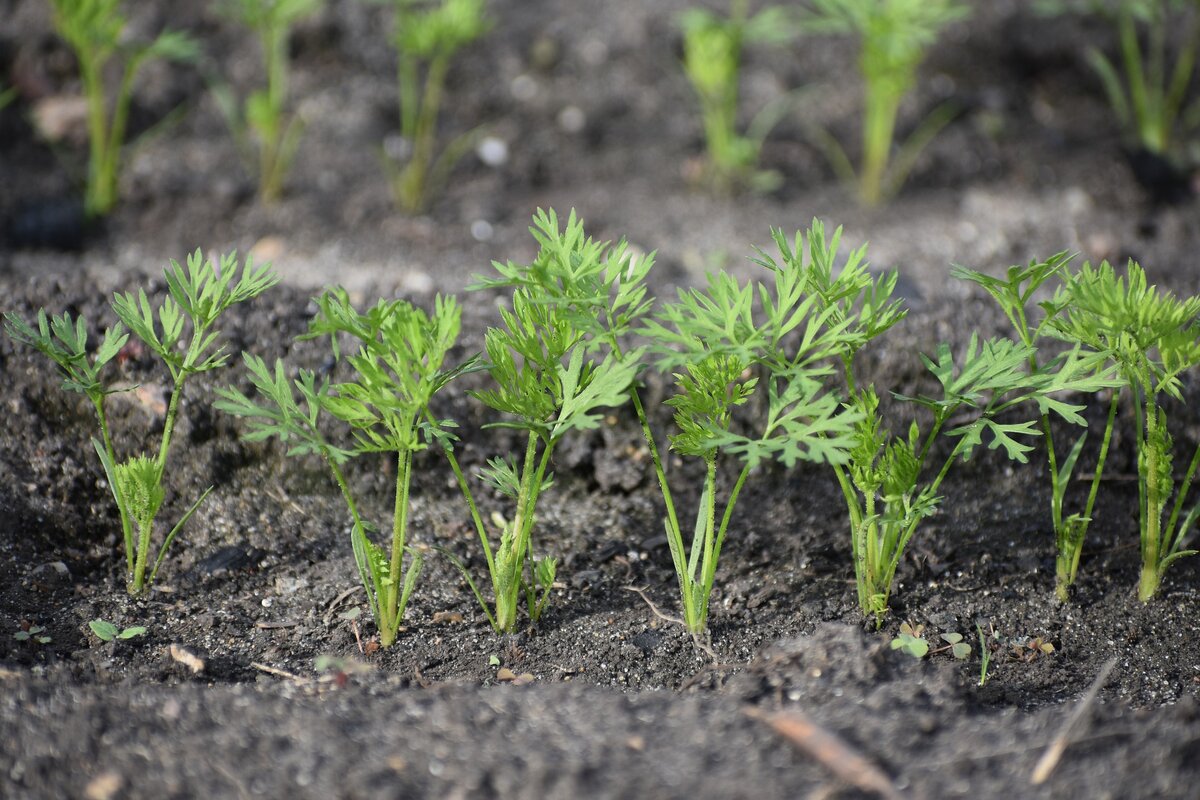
x: 399, y: 534
x: 1108, y: 432
x: 1173, y: 535
x: 90, y: 66
x: 710, y: 570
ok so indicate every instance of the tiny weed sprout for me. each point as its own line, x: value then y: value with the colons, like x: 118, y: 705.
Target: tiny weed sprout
x: 398, y: 367
x: 1152, y: 337
x: 427, y: 34
x: 555, y: 363
x: 911, y: 640
x: 955, y: 644
x: 985, y: 653
x: 893, y: 37
x: 712, y: 60
x: 721, y: 342
x: 96, y: 32
x: 263, y: 115
x: 197, y: 296
x: 1031, y: 649
x: 107, y: 632
x: 32, y: 633
x: 1014, y: 294
x: 1148, y: 94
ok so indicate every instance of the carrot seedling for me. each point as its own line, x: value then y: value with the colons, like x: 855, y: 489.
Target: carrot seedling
x: 1014, y: 293
x: 1152, y: 337
x: 712, y: 60
x: 553, y: 369
x: 427, y: 35
x: 722, y: 343
x: 398, y: 367
x: 264, y: 116
x: 197, y: 296
x: 893, y: 38
x: 881, y: 476
x: 1148, y: 92
x: 95, y: 31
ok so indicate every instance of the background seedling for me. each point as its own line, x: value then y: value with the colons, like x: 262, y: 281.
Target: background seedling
x: 554, y: 365
x: 95, y: 30
x: 712, y: 60
x: 264, y: 116
x: 1153, y: 338
x: 427, y: 35
x: 197, y: 297
x: 893, y: 36
x: 1148, y: 91
x: 1015, y: 295
x: 398, y: 367
x: 106, y: 631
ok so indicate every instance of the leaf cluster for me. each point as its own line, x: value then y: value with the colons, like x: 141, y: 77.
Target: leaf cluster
x: 427, y: 29
x: 197, y: 295
x: 64, y: 341
x: 1153, y: 335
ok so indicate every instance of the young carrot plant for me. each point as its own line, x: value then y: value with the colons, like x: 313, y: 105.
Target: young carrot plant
x: 725, y: 340
x: 1148, y: 94
x: 263, y: 115
x: 1152, y: 337
x: 893, y: 37
x: 398, y: 368
x: 555, y: 363
x: 1014, y: 294
x: 427, y: 35
x: 882, y: 480
x: 95, y: 30
x: 197, y: 297
x: 712, y: 60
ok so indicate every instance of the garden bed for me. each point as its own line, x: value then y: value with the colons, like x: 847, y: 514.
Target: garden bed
x: 604, y: 697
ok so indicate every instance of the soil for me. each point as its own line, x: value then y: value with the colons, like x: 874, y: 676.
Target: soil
x: 221, y: 697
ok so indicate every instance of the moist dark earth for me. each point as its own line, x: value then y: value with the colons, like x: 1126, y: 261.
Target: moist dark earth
x: 221, y: 696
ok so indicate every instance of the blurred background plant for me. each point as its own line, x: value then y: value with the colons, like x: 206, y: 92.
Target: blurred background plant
x: 893, y: 37
x: 1147, y: 81
x: 95, y: 31
x: 712, y: 60
x: 427, y: 34
x: 263, y: 120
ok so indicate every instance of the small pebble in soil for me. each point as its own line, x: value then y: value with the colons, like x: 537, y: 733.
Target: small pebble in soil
x: 572, y: 119
x: 481, y: 230
x: 492, y: 151
x: 523, y: 88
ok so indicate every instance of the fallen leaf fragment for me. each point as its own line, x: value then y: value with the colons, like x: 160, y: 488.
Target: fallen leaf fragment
x: 446, y: 617
x: 830, y: 750
x: 104, y: 786
x: 188, y: 657
x: 506, y: 675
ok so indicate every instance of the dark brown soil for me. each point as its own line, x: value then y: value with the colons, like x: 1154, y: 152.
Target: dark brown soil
x: 622, y: 703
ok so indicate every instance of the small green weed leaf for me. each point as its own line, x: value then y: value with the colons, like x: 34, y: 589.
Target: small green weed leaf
x: 912, y: 645
x: 105, y: 631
